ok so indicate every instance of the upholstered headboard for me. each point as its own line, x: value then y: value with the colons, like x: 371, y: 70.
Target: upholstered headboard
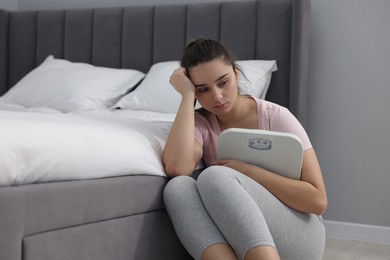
x: 138, y: 36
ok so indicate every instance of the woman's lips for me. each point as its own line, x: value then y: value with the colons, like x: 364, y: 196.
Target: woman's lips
x: 219, y: 106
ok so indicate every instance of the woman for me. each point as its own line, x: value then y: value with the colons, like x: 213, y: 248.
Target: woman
x: 236, y: 210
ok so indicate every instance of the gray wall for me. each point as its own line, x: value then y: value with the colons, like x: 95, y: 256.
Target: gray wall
x: 9, y: 4
x: 349, y: 119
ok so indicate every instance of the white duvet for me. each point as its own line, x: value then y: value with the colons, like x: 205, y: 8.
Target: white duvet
x: 44, y: 145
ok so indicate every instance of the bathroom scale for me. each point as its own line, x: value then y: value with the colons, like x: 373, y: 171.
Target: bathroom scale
x: 278, y: 152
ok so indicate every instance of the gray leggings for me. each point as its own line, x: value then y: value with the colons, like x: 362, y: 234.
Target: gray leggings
x: 225, y: 206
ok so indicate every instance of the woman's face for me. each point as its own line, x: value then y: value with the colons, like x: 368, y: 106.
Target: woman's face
x: 215, y: 85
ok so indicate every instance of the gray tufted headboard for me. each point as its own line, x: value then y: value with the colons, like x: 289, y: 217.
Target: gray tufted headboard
x: 138, y: 36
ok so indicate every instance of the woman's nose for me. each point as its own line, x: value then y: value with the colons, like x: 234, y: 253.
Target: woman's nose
x: 217, y: 93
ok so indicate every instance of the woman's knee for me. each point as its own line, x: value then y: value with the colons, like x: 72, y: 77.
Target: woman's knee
x: 177, y: 189
x: 213, y: 173
x: 215, y: 178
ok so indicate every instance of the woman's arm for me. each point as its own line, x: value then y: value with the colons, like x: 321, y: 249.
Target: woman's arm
x: 182, y: 152
x: 307, y: 194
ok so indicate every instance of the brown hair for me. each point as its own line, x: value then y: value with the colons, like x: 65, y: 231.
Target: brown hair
x: 204, y: 50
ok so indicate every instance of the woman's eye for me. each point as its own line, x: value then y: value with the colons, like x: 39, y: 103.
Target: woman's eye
x: 222, y: 83
x: 202, y: 90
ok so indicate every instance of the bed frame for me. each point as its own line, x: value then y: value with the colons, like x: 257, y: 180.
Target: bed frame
x: 124, y: 217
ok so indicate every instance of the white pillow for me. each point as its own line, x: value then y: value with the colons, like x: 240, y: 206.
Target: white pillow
x: 155, y: 93
x: 68, y: 86
x: 257, y: 76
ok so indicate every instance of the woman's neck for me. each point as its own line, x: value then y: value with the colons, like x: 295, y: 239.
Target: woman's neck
x: 242, y: 115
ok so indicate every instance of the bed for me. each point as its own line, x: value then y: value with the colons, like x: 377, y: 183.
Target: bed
x: 108, y: 204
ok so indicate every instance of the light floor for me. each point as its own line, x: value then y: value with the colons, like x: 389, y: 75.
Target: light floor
x: 340, y: 249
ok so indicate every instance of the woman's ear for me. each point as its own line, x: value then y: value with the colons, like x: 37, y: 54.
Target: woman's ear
x: 236, y: 69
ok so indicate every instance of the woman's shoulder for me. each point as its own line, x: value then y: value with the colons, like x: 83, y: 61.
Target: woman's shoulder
x: 267, y: 104
x: 268, y: 108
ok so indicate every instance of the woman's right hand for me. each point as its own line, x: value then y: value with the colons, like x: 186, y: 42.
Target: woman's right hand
x: 181, y: 82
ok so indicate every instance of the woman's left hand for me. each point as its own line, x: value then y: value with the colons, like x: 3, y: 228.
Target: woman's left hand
x: 234, y: 164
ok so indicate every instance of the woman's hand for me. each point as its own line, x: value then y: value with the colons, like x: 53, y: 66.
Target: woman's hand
x: 181, y: 82
x: 234, y: 164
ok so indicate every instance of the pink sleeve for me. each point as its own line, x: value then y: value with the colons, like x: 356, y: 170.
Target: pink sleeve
x: 200, y: 126
x: 198, y: 136
x: 207, y: 136
x: 285, y: 121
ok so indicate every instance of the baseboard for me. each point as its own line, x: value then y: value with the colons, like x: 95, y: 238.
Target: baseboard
x: 370, y: 233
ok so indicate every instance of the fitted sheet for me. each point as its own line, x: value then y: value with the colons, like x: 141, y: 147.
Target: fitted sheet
x: 40, y: 145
